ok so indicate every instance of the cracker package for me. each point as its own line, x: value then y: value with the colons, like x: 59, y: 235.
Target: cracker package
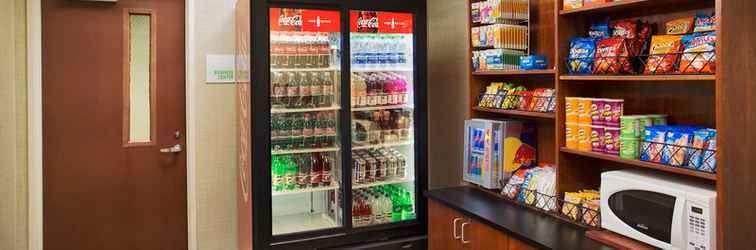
x: 612, y: 57
x: 698, y: 53
x: 705, y: 23
x: 680, y: 26
x: 663, y: 54
x: 580, y: 59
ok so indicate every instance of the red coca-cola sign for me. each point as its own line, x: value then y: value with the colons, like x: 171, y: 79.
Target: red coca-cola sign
x: 380, y: 22
x: 308, y: 20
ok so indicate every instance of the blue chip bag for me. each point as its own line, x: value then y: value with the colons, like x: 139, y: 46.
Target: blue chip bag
x: 599, y: 30
x: 678, y: 140
x: 653, y: 143
x: 580, y: 58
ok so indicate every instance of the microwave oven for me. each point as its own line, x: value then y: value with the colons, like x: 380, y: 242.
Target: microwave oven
x: 662, y: 211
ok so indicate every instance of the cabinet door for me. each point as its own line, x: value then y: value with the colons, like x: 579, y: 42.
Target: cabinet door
x: 441, y: 227
x: 477, y: 235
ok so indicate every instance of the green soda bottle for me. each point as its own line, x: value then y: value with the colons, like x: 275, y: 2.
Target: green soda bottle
x: 408, y: 206
x: 396, y: 207
x: 276, y: 174
x: 290, y: 174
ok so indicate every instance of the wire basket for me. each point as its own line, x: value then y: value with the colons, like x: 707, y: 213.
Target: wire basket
x: 580, y: 214
x: 553, y: 205
x: 531, y: 103
x: 681, y: 63
x: 699, y: 159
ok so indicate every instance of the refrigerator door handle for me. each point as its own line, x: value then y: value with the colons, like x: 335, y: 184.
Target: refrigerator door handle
x: 454, y: 226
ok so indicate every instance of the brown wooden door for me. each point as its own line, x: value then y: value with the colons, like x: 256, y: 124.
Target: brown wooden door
x: 441, y: 227
x: 481, y: 236
x: 102, y: 188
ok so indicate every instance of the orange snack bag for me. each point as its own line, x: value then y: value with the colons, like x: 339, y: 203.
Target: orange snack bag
x: 680, y: 26
x: 663, y: 54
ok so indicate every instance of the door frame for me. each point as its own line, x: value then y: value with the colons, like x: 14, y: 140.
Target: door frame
x: 34, y: 113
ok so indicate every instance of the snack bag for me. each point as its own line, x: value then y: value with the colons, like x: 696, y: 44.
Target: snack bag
x: 663, y: 54
x: 612, y: 57
x: 625, y: 28
x: 676, y: 151
x: 599, y: 30
x: 701, y: 141
x: 680, y: 26
x: 698, y: 54
x: 653, y: 143
x: 705, y: 23
x: 512, y: 188
x: 581, y: 56
x: 526, y: 98
x: 571, y: 205
x: 550, y: 95
x: 709, y: 159
x: 573, y: 4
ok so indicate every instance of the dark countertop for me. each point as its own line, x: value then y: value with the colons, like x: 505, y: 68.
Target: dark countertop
x: 539, y: 230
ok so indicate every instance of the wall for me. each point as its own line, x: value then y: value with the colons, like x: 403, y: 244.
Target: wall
x: 216, y: 175
x: 13, y: 156
x: 447, y: 90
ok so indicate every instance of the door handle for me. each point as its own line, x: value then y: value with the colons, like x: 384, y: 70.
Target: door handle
x: 463, y: 233
x: 454, y: 226
x: 173, y: 149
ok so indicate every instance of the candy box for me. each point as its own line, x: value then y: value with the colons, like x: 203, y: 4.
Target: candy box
x: 596, y: 111
x: 597, y: 139
x: 612, y: 140
x: 572, y: 4
x: 475, y: 12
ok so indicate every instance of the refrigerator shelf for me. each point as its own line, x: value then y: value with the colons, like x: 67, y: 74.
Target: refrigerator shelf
x: 303, y: 110
x: 383, y: 69
x: 304, y: 69
x: 302, y: 222
x: 381, y: 183
x: 334, y: 185
x: 304, y: 150
x: 401, y: 106
x: 383, y: 145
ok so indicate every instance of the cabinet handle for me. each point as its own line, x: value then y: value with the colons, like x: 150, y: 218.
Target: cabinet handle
x: 463, y: 233
x: 454, y: 225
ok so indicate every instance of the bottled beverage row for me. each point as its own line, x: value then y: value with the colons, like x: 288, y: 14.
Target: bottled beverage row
x: 370, y: 50
x: 303, y: 130
x: 302, y: 89
x: 376, y: 165
x: 379, y: 89
x: 382, y: 204
x: 302, y: 171
x: 381, y: 126
x: 291, y: 50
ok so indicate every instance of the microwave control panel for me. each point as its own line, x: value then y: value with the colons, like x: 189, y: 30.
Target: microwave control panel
x: 698, y: 227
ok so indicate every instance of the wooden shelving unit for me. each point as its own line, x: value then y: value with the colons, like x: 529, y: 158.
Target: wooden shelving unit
x: 687, y: 99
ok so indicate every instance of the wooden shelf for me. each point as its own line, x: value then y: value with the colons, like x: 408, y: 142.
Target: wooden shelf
x: 514, y: 72
x: 638, y: 77
x: 634, y: 5
x: 643, y: 164
x: 517, y: 113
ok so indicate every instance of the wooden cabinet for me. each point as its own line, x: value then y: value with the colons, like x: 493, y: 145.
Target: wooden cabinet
x: 450, y: 230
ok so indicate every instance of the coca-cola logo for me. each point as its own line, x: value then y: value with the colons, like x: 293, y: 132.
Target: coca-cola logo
x: 295, y: 20
x: 371, y: 23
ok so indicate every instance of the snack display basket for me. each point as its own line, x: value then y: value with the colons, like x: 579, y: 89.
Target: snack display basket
x: 698, y: 159
x: 553, y: 205
x: 608, y: 65
x: 543, y: 104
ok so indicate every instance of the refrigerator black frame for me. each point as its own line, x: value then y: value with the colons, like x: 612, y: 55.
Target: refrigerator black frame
x: 262, y: 237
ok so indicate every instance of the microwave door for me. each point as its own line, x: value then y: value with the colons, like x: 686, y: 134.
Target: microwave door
x: 647, y: 212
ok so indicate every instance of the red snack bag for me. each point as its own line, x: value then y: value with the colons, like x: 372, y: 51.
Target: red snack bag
x: 526, y: 97
x: 612, y: 56
x: 625, y: 28
x: 537, y: 101
x: 663, y: 54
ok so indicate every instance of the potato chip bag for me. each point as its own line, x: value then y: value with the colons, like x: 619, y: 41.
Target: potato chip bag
x: 698, y: 53
x: 612, y: 57
x: 705, y: 23
x: 581, y: 56
x: 663, y: 54
x: 625, y: 28
x: 680, y: 26
x: 599, y: 30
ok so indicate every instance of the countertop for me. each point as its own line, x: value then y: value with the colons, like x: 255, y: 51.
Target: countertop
x: 539, y: 230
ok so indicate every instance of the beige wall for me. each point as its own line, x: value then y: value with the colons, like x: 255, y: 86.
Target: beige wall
x: 13, y: 201
x: 447, y: 90
x: 216, y: 177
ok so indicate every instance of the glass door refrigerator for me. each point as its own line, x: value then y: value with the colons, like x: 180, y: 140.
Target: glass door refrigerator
x: 337, y: 123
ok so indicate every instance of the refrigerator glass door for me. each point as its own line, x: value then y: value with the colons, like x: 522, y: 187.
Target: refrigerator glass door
x: 382, y: 102
x: 304, y: 96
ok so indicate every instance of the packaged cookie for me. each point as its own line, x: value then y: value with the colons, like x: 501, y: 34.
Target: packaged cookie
x: 699, y: 54
x: 680, y: 26
x: 581, y: 56
x: 663, y: 54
